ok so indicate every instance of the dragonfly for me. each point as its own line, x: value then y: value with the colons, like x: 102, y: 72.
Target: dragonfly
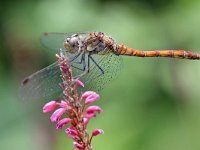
x: 94, y: 56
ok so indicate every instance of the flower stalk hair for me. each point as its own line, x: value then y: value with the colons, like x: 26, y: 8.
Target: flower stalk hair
x: 73, y: 111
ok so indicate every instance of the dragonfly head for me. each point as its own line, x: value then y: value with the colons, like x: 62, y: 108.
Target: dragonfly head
x: 72, y: 43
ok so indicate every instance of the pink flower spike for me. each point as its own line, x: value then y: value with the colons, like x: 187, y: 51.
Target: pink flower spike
x: 91, y: 98
x: 64, y: 69
x: 49, y: 106
x: 63, y: 122
x: 97, y: 132
x: 57, y: 114
x: 93, y: 109
x: 77, y: 145
x: 88, y: 93
x: 78, y: 82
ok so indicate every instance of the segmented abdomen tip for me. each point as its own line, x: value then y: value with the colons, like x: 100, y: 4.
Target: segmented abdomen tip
x: 25, y: 81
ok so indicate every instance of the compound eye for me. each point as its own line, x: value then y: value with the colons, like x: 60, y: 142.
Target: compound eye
x: 73, y: 41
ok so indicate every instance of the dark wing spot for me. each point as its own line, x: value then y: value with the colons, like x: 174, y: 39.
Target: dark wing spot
x: 25, y: 81
x: 45, y: 33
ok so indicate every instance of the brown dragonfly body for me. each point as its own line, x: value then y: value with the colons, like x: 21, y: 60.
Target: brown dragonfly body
x: 94, y: 56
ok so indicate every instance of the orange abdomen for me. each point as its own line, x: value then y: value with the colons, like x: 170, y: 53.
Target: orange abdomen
x: 123, y: 50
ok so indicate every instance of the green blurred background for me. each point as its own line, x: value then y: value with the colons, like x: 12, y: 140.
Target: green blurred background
x: 154, y: 104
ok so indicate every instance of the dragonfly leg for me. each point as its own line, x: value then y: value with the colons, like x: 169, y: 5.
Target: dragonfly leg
x: 82, y: 59
x: 81, y: 62
x: 83, y: 67
x: 86, y: 68
x: 90, y: 57
x: 75, y: 57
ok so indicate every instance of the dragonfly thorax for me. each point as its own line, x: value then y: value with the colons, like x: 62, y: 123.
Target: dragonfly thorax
x: 78, y: 43
x: 96, y: 46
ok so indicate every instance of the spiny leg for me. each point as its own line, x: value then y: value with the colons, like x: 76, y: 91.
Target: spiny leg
x: 90, y: 57
x: 83, y: 65
x: 85, y: 68
x: 96, y: 64
x: 88, y: 69
x: 81, y: 62
x: 75, y: 57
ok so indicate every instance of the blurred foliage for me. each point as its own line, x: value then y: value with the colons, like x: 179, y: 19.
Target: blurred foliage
x: 154, y: 104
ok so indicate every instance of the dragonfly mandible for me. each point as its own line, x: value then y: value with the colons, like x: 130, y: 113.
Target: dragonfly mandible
x: 94, y: 56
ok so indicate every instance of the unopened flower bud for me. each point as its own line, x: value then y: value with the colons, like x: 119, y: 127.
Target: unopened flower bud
x: 93, y: 109
x: 97, y: 132
x: 88, y: 93
x: 77, y: 145
x: 91, y: 98
x: 63, y: 122
x: 63, y: 104
x: 78, y: 82
x: 71, y: 133
x: 57, y: 114
x: 49, y: 106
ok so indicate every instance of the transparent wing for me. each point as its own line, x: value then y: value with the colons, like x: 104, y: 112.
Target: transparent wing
x: 53, y: 41
x: 42, y: 84
x: 111, y: 64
